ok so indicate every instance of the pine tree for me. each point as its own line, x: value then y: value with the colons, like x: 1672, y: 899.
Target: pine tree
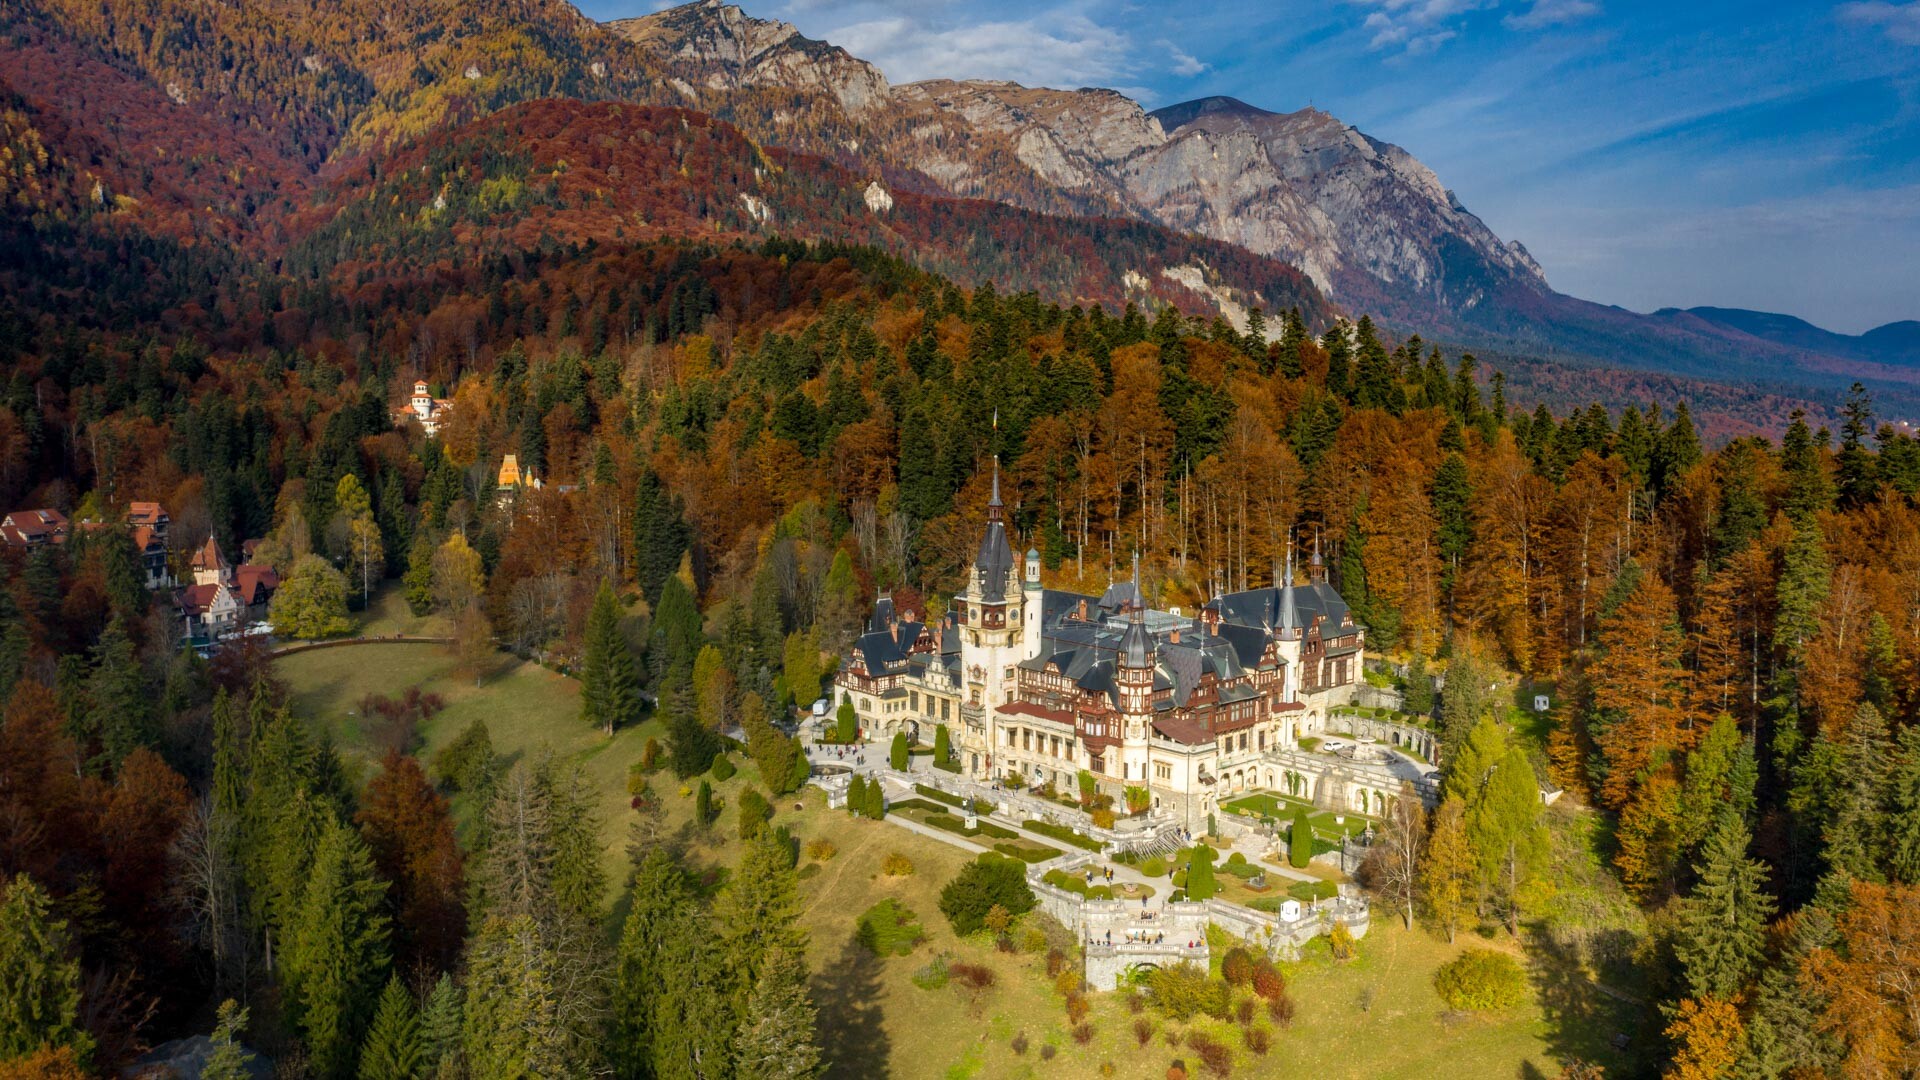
x: 39, y: 979
x: 418, y: 580
x: 661, y: 896
x: 393, y: 1050
x: 579, y: 879
x: 1785, y: 1036
x: 1723, y: 923
x: 532, y: 1010
x: 776, y: 1039
x: 121, y: 717
x: 230, y: 1060
x: 440, y: 1027
x: 757, y: 912
x: 610, y: 680
x: 1855, y: 831
x: 659, y: 535
x: 1858, y: 482
x: 1903, y: 809
x: 675, y: 638
x: 516, y: 871
x: 337, y: 951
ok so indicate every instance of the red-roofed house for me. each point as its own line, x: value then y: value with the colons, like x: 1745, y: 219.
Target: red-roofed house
x: 423, y: 408
x: 33, y: 528
x: 149, y: 522
x: 224, y: 599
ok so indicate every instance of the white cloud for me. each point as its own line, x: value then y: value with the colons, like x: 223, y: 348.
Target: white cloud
x: 1417, y: 27
x: 1185, y: 64
x: 1049, y: 49
x: 1900, y: 21
x: 1545, y: 13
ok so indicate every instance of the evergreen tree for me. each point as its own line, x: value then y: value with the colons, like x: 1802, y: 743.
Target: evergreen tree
x: 661, y: 896
x: 393, y: 1050
x: 533, y: 1010
x: 1723, y: 923
x: 337, y: 951
x: 857, y: 794
x: 418, y: 580
x: 659, y: 535
x: 942, y: 745
x: 675, y: 638
x: 229, y: 1059
x: 440, y: 1027
x: 1855, y: 831
x: 758, y: 912
x: 610, y: 680
x: 1858, y: 482
x: 122, y: 716
x: 579, y: 879
x: 39, y: 979
x: 1201, y: 882
x: 776, y: 1039
x: 691, y: 745
x: 1786, y: 1036
x: 1903, y: 809
x: 897, y: 753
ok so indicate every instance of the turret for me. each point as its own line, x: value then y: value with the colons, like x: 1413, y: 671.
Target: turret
x: 1033, y: 569
x: 1289, y: 627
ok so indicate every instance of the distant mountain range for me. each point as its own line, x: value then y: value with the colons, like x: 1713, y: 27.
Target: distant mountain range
x: 154, y: 113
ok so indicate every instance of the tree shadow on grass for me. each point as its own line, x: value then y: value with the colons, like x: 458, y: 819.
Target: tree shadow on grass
x: 853, y: 1037
x: 1584, y: 1021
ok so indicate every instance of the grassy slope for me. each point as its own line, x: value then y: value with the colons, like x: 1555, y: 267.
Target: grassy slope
x: 874, y: 1020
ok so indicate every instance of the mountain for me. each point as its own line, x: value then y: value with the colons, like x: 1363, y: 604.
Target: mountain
x: 1358, y: 215
x: 1896, y: 343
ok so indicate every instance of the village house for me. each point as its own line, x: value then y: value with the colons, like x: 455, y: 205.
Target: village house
x: 33, y: 528
x: 148, y: 523
x: 223, y: 599
x: 1036, y: 685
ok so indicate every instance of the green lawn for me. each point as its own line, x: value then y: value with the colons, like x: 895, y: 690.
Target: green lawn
x: 1272, y: 804
x: 874, y: 1020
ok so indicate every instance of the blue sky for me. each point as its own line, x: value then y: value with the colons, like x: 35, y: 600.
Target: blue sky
x: 1649, y: 154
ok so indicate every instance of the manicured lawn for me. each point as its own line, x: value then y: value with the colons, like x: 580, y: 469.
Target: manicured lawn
x: 1270, y: 804
x: 874, y: 1020
x: 389, y: 614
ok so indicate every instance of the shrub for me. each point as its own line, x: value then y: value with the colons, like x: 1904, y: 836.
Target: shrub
x: 897, y: 753
x: 973, y: 978
x: 979, y: 886
x: 650, y: 755
x: 1299, y: 840
x: 937, y: 795
x: 889, y: 928
x: 1243, y: 1012
x: 1136, y: 1003
x: 703, y: 805
x: 1047, y: 1051
x: 1083, y: 1033
x: 942, y: 745
x: 1280, y: 1009
x: 1061, y: 833
x: 754, y: 812
x: 896, y: 865
x: 1077, y: 1008
x: 1034, y: 941
x: 1142, y: 1031
x: 1237, y: 967
x: 723, y: 769
x: 1258, y: 1039
x: 997, y: 919
x: 1104, y: 819
x: 1340, y: 941
x: 822, y: 850
x: 1019, y: 1043
x: 846, y: 724
x: 1183, y: 990
x: 1177, y: 1070
x: 1267, y: 980
x: 1056, y: 963
x: 1305, y: 891
x: 932, y: 975
x: 1214, y: 1056
x: 1236, y: 859
x: 1154, y: 867
x: 1481, y: 980
x: 1067, y: 980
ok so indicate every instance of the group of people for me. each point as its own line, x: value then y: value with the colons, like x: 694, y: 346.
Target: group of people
x: 1106, y: 873
x: 842, y: 752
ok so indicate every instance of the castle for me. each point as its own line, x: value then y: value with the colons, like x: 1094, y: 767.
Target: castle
x: 1036, y: 684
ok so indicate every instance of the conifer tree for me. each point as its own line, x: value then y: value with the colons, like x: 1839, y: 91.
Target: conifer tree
x: 675, y: 637
x: 418, y: 579
x: 942, y: 745
x: 408, y: 827
x: 230, y: 1060
x: 691, y: 745
x: 122, y: 716
x: 440, y: 1027
x: 393, y: 1050
x: 1723, y: 922
x: 1903, y: 809
x: 857, y: 794
x: 579, y: 880
x: 776, y: 1039
x: 703, y: 804
x: 1446, y: 875
x: 661, y: 896
x: 610, y: 680
x: 1504, y: 827
x: 533, y: 1009
x: 897, y: 753
x: 1785, y: 1036
x: 659, y: 535
x: 39, y: 979
x: 337, y: 951
x: 757, y: 912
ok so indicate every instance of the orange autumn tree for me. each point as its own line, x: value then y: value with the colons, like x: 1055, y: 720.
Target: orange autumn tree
x: 1871, y: 981
x: 1707, y: 1037
x: 1637, y: 681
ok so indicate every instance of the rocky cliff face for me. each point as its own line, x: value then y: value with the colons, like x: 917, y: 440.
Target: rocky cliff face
x: 1363, y: 218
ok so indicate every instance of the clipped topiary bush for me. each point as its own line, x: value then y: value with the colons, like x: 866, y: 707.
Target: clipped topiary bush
x: 723, y: 769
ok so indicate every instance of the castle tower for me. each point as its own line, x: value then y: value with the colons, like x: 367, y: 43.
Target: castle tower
x: 1133, y: 677
x: 1031, y: 634
x: 991, y: 616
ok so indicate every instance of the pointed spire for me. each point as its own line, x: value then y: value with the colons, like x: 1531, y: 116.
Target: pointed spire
x: 1289, y: 610
x: 995, y: 501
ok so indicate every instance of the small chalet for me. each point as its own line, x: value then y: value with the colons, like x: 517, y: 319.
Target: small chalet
x: 224, y: 599
x: 148, y: 522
